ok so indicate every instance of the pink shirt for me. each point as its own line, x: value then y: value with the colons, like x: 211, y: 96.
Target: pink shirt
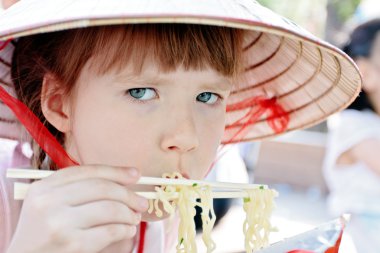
x: 11, y: 155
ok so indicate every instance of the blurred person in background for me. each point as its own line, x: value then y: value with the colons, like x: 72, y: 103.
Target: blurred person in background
x: 352, y: 163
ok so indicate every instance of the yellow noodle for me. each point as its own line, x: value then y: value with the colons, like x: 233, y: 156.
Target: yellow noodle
x: 208, y: 216
x: 258, y: 208
x: 186, y: 232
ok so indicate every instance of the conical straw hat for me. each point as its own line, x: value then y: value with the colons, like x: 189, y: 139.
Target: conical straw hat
x: 308, y: 78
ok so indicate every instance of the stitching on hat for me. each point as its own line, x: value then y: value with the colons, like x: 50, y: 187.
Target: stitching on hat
x: 5, y: 83
x: 8, y: 121
x: 5, y: 62
x: 335, y: 83
x: 4, y: 44
x: 316, y: 72
x: 253, y: 42
x: 273, y: 77
x: 268, y: 57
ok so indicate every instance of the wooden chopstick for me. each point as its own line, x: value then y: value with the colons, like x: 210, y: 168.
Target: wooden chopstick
x: 39, y: 174
x: 21, y: 189
x: 28, y: 173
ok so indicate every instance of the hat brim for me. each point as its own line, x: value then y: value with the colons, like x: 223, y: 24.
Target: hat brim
x: 310, y: 78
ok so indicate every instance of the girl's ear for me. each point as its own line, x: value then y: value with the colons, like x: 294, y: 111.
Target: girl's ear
x: 55, y: 103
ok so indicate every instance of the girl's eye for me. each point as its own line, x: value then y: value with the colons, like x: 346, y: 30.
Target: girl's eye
x: 142, y: 93
x: 208, y: 98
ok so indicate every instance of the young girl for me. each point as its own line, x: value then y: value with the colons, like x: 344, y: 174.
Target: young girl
x: 131, y: 88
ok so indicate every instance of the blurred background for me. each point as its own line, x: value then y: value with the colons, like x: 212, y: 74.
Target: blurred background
x: 293, y: 164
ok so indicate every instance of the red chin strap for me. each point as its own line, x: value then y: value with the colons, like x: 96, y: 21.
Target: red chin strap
x: 4, y: 44
x: 37, y: 130
x: 34, y: 126
x: 140, y: 248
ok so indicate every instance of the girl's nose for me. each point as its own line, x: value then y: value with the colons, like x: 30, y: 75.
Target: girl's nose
x: 180, y: 135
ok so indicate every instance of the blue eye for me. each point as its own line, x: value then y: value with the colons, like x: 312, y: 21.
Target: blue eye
x: 208, y: 98
x: 142, y: 93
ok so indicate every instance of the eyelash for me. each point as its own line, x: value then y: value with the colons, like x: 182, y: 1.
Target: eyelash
x: 143, y: 101
x: 218, y: 101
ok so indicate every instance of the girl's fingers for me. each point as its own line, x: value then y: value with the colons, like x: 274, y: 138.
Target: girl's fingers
x: 82, y: 192
x: 102, y: 213
x: 106, y: 235
x: 124, y: 176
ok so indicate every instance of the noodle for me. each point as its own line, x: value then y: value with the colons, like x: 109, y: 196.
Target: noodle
x: 258, y: 208
x: 187, y: 201
x: 208, y: 216
x: 186, y: 231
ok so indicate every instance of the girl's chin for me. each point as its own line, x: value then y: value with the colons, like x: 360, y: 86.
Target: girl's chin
x: 148, y: 217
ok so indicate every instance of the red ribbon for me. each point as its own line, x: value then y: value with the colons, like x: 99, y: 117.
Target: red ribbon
x: 4, y: 44
x: 34, y: 126
x: 37, y: 130
x: 277, y: 117
x: 140, y: 248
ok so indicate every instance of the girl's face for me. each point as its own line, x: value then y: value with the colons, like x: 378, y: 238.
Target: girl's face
x: 154, y: 121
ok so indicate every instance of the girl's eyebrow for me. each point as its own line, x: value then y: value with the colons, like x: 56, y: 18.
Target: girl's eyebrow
x: 223, y: 84
x: 131, y: 77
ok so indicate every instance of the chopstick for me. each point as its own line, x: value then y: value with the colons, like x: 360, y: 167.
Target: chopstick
x: 39, y: 174
x: 21, y: 189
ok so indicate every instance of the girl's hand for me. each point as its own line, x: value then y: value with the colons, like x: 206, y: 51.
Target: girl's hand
x: 79, y: 209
